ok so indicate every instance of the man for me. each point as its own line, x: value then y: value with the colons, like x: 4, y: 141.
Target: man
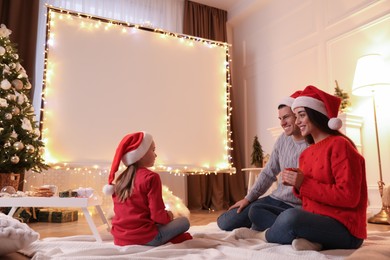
x: 260, y: 213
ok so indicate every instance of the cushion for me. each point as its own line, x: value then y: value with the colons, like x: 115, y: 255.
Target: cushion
x: 14, y: 235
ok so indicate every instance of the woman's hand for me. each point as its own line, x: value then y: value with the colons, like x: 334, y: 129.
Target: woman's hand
x: 292, y: 177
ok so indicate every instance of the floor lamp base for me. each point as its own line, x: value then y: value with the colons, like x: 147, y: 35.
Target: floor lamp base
x: 382, y: 217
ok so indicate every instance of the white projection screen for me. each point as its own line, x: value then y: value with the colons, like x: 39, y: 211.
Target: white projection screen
x: 105, y: 80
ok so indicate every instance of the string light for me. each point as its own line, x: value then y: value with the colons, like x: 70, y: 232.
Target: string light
x: 89, y: 22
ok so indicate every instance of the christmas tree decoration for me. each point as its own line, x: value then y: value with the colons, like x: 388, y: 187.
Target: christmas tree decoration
x: 20, y: 144
x: 344, y: 97
x: 257, y: 155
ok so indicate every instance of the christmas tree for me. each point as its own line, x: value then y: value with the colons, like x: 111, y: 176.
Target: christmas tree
x: 20, y: 146
x: 257, y: 153
x: 338, y: 92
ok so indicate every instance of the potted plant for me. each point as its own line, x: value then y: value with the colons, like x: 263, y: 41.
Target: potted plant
x: 257, y: 155
x: 20, y: 146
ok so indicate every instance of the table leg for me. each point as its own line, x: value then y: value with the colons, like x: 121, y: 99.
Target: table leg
x: 253, y: 174
x: 12, y: 211
x: 92, y: 225
x: 103, y: 217
x: 251, y: 179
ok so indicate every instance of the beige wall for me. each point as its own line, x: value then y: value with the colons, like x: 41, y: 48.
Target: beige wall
x: 280, y: 46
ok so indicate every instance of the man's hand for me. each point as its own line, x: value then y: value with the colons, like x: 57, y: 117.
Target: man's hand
x: 241, y: 204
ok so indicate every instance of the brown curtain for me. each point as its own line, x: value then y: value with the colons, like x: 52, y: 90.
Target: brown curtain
x: 214, y: 191
x: 21, y: 17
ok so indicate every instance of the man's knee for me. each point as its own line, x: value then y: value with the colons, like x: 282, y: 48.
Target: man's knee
x: 223, y: 222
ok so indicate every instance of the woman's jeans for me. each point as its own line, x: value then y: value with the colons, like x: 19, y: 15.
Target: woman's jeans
x: 169, y: 231
x: 297, y: 223
x: 258, y: 215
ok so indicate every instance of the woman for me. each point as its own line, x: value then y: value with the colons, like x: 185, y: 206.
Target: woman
x: 330, y: 181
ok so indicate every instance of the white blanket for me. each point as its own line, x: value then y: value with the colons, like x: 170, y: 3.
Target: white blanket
x: 209, y: 242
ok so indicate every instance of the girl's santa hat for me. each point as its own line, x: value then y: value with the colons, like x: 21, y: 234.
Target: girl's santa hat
x: 288, y: 101
x: 130, y: 150
x: 322, y: 102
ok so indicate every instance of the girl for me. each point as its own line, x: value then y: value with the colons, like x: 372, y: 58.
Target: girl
x: 330, y: 181
x: 140, y: 216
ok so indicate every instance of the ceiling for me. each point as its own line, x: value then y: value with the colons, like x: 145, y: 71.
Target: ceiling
x: 221, y: 4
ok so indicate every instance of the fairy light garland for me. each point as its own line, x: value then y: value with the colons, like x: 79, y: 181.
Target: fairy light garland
x: 95, y: 23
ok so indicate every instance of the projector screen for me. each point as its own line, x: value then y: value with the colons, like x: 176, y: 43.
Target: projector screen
x: 105, y: 79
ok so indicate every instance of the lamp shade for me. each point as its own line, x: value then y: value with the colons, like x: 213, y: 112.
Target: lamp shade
x: 370, y: 75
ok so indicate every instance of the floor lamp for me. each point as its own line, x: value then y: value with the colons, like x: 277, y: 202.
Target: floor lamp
x: 370, y: 78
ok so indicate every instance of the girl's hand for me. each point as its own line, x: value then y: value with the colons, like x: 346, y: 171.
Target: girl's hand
x: 292, y: 177
x: 170, y: 214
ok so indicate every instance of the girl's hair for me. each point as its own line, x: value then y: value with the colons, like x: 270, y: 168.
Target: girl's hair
x: 321, y: 122
x: 125, y: 182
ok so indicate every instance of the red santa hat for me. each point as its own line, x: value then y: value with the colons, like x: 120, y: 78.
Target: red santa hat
x: 130, y: 150
x: 288, y: 101
x: 322, y: 102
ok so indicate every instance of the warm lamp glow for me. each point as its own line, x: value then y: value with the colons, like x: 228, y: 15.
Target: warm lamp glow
x: 370, y: 75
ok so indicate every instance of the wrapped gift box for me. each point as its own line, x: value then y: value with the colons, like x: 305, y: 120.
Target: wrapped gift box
x: 26, y: 214
x: 67, y: 194
x: 57, y: 215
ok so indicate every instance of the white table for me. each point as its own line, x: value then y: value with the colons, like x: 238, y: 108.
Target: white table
x: 253, y: 173
x: 58, y: 202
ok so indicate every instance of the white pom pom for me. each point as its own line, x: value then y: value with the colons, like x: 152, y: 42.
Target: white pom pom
x: 108, y: 189
x: 335, y: 123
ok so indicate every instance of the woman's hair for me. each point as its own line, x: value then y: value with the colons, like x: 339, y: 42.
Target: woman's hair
x: 125, y: 182
x: 321, y: 122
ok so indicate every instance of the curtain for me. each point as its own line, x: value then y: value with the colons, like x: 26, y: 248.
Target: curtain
x: 214, y: 191
x: 164, y: 14
x: 204, y: 21
x: 21, y: 17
